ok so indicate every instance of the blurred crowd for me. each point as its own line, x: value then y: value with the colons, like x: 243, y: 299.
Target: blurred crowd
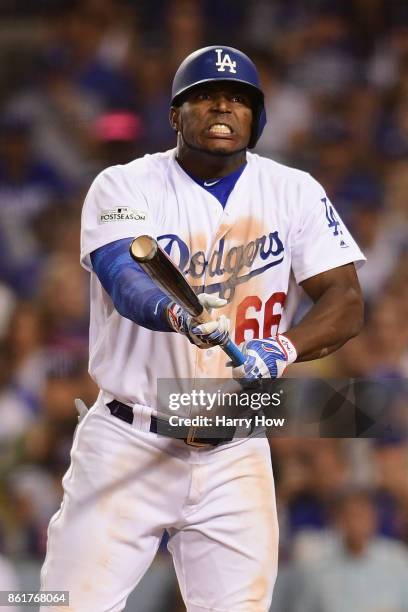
x: 87, y: 84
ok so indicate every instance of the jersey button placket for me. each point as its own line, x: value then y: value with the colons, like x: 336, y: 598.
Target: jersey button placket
x: 210, y: 352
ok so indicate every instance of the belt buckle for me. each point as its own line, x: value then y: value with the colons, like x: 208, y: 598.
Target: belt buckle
x: 190, y: 438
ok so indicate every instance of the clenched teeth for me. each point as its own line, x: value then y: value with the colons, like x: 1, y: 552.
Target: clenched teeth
x: 220, y: 128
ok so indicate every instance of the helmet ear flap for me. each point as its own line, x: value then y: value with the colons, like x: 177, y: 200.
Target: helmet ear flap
x: 258, y: 124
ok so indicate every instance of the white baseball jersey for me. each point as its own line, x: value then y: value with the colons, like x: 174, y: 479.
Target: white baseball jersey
x: 277, y: 222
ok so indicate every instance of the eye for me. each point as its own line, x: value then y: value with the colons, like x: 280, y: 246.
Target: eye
x: 240, y: 99
x: 202, y: 95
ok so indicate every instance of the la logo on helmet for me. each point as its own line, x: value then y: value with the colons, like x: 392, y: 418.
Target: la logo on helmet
x: 225, y: 62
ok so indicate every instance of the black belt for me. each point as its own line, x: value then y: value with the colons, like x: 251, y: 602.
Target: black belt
x: 193, y: 436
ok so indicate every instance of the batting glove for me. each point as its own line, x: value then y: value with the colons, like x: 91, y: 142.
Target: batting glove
x: 205, y: 334
x: 265, y: 358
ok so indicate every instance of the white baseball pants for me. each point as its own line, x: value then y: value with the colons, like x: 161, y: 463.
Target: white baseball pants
x: 126, y: 485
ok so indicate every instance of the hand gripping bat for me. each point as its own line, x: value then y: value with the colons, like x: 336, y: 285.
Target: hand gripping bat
x: 158, y: 265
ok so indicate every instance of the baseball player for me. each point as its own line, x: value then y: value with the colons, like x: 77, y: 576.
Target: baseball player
x: 238, y: 225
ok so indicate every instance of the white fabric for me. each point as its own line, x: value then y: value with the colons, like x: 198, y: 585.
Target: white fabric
x: 274, y: 222
x: 289, y: 347
x: 126, y: 485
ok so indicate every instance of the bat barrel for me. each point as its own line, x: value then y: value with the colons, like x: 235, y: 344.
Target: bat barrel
x: 158, y: 265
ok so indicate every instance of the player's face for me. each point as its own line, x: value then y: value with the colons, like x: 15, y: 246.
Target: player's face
x: 215, y: 118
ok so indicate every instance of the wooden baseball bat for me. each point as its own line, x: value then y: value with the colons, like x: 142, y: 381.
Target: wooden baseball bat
x: 158, y: 265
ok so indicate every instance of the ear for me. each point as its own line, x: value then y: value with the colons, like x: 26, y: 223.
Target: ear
x: 174, y: 118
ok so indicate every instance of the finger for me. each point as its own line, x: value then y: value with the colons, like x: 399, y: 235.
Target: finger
x: 205, y: 328
x: 239, y: 372
x: 222, y: 325
x: 211, y: 301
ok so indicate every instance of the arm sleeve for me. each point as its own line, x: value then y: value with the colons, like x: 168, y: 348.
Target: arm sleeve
x: 133, y: 293
x: 321, y: 240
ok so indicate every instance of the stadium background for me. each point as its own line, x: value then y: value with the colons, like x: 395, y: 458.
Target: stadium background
x: 84, y: 85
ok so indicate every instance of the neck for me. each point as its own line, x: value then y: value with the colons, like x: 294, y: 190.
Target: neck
x: 356, y: 548
x: 205, y: 165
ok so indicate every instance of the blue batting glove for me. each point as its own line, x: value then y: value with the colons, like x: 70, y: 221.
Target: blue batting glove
x: 266, y: 358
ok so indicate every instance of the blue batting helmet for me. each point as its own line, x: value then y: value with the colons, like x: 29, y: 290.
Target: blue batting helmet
x: 220, y: 63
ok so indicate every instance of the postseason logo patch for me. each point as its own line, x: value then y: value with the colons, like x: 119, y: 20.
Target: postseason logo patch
x: 122, y: 213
